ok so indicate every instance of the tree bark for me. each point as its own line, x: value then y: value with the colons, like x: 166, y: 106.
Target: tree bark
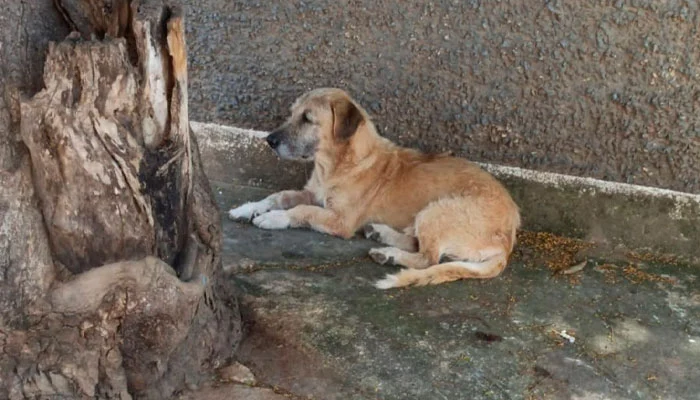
x: 130, y: 300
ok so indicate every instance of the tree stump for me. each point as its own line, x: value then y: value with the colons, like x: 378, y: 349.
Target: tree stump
x: 129, y: 302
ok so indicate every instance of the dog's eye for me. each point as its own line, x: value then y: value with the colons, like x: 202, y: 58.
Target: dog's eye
x: 306, y: 118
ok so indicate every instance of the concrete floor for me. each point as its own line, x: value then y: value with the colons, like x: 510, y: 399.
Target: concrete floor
x: 318, y: 329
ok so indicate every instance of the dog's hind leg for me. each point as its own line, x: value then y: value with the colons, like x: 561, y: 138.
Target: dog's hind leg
x: 460, y: 238
x: 386, y: 235
x: 396, y: 256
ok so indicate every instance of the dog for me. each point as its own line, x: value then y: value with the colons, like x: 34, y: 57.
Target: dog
x: 441, y: 217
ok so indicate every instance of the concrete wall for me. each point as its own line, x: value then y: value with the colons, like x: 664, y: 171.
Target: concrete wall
x: 606, y: 89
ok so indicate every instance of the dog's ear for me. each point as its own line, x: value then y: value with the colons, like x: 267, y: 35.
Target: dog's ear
x: 346, y: 118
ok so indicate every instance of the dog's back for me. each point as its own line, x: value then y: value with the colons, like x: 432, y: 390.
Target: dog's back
x: 411, y: 180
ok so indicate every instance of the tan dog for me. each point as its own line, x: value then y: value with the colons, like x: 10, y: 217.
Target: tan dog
x: 443, y: 217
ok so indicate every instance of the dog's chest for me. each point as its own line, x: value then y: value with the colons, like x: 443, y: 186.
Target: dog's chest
x: 320, y: 197
x: 331, y: 197
x: 331, y: 193
x: 324, y: 196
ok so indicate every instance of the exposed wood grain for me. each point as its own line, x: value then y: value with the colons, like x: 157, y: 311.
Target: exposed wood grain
x: 134, y: 304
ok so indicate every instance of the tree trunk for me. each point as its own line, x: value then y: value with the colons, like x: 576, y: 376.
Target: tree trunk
x: 129, y: 301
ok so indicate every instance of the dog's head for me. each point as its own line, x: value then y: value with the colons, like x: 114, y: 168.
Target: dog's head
x: 319, y: 119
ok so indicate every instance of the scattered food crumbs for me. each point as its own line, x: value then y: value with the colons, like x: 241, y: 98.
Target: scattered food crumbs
x: 653, y: 258
x: 557, y: 253
x: 609, y: 271
x: 635, y: 275
x: 560, y: 254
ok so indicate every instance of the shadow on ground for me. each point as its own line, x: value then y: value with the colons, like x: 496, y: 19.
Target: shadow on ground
x: 318, y: 329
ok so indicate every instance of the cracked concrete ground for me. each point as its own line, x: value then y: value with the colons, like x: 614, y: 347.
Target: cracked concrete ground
x: 318, y: 329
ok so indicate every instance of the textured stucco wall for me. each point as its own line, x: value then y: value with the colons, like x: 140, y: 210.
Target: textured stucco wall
x: 607, y: 89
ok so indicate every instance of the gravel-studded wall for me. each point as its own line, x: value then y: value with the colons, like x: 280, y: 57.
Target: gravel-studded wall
x: 608, y: 89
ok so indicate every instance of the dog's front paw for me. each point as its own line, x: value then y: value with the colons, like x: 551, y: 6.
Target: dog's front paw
x: 384, y: 255
x: 275, y: 219
x: 248, y: 211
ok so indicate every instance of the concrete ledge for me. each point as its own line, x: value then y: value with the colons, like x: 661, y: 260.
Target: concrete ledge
x: 241, y: 156
x: 637, y: 217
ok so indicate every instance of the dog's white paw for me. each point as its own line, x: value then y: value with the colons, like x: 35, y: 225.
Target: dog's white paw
x: 378, y: 232
x: 384, y: 255
x: 249, y: 210
x: 275, y: 219
x: 371, y: 232
x: 387, y: 283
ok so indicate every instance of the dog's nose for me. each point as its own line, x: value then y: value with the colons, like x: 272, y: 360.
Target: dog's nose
x: 273, y: 139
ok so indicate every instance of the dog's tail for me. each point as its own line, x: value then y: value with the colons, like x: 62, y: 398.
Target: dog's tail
x: 445, y: 272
